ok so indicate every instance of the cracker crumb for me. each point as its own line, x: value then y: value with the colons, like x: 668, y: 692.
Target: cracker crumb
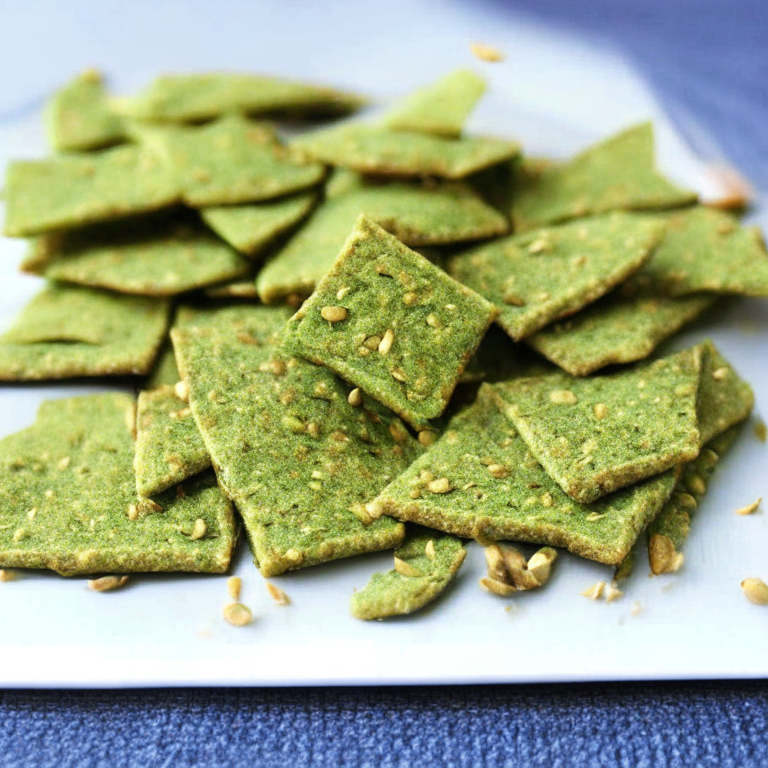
x: 237, y: 614
x: 663, y: 556
x: 6, y: 575
x: 499, y: 471
x: 612, y: 592
x: 107, y: 583
x: 334, y: 314
x: 485, y: 52
x: 595, y: 592
x: 234, y: 587
x: 496, y: 587
x: 636, y: 609
x: 277, y: 594
x: 750, y: 508
x: 755, y: 590
x: 441, y: 485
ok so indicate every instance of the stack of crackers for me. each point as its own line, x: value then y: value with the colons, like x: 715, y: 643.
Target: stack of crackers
x: 382, y: 334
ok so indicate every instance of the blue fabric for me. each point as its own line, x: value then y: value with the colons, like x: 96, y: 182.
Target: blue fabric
x: 711, y: 56
x: 722, y: 725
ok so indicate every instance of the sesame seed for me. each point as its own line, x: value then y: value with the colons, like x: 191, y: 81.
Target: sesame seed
x: 562, y: 397
x: 234, y: 587
x: 538, y: 245
x: 441, y: 485
x: 404, y: 568
x: 398, y: 431
x: 499, y: 471
x: 342, y: 292
x: 427, y: 437
x: 333, y: 314
x: 237, y: 614
x: 429, y: 550
x: 277, y: 594
x: 181, y: 388
x: 601, y: 411
x: 355, y: 397
x: 755, y: 590
x: 719, y: 374
x: 750, y: 508
x: 486, y: 52
x: 107, y: 583
x: 199, y: 530
x: 386, y: 342
x: 595, y: 592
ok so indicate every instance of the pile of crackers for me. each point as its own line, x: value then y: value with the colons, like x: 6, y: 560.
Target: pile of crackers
x: 382, y: 334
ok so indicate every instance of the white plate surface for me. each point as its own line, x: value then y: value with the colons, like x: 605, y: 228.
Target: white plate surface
x: 556, y: 95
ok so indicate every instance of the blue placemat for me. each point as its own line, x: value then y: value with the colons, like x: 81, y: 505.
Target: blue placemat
x: 711, y: 57
x: 722, y: 725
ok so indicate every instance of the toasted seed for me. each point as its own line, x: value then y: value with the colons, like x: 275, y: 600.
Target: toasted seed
x: 662, y: 555
x: 429, y: 550
x: 334, y: 314
x: 601, y: 410
x: 499, y: 471
x: 200, y: 529
x: 595, y: 592
x: 496, y: 587
x: 427, y: 437
x: 386, y: 342
x: 355, y: 397
x: 6, y: 575
x: 441, y: 485
x: 404, y: 568
x: 181, y: 388
x: 750, y: 508
x: 486, y: 52
x: 398, y: 431
x: 697, y: 485
x: 237, y: 614
x: 106, y: 583
x: 277, y: 594
x: 497, y: 568
x: 562, y: 396
x: 755, y: 590
x: 720, y: 373
x: 612, y: 592
x: 540, y: 564
x: 234, y: 587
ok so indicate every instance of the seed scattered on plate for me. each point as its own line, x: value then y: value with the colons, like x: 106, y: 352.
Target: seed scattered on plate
x: 277, y: 594
x: 234, y: 587
x: 755, y: 590
x: 107, y: 583
x: 749, y: 509
x: 238, y: 615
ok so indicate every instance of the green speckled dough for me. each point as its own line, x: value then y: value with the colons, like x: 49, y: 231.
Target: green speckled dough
x: 440, y: 108
x: 602, y: 433
x: 499, y: 491
x: 708, y: 250
x: 229, y: 161
x: 68, y: 499
x: 370, y: 149
x: 394, y: 594
x: 541, y: 276
x: 295, y: 456
x: 169, y: 447
x: 725, y: 399
x: 196, y: 97
x: 68, y: 331
x: 617, y: 173
x: 415, y: 214
x: 79, y: 118
x: 384, y: 289
x: 616, y: 329
x: 251, y: 228
x: 157, y: 257
x: 73, y: 190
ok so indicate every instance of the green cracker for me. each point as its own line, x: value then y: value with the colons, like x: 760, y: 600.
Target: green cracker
x: 669, y: 530
x: 157, y: 257
x: 404, y: 331
x: 68, y: 331
x: 599, y: 434
x: 169, y: 447
x: 251, y: 228
x: 617, y: 173
x: 299, y: 461
x: 79, y: 117
x: 429, y: 568
x: 706, y: 250
x: 541, y: 276
x: 616, y: 329
x: 441, y: 108
x: 68, y: 499
x: 497, y: 490
x: 197, y: 97
x: 416, y: 215
x: 725, y: 398
x: 370, y: 149
x: 73, y: 190
x: 229, y: 161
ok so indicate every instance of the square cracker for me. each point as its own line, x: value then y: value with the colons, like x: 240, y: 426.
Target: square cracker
x: 371, y: 149
x: 73, y: 190
x: 68, y: 331
x: 598, y: 434
x: 405, y: 329
x: 431, y: 567
x: 68, y: 499
x: 299, y: 461
x: 616, y: 173
x: 496, y: 489
x: 544, y: 275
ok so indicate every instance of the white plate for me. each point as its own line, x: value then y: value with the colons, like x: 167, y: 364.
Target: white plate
x: 556, y: 95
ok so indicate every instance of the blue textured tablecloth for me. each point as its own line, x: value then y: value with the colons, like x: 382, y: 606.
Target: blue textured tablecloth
x: 711, y: 57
